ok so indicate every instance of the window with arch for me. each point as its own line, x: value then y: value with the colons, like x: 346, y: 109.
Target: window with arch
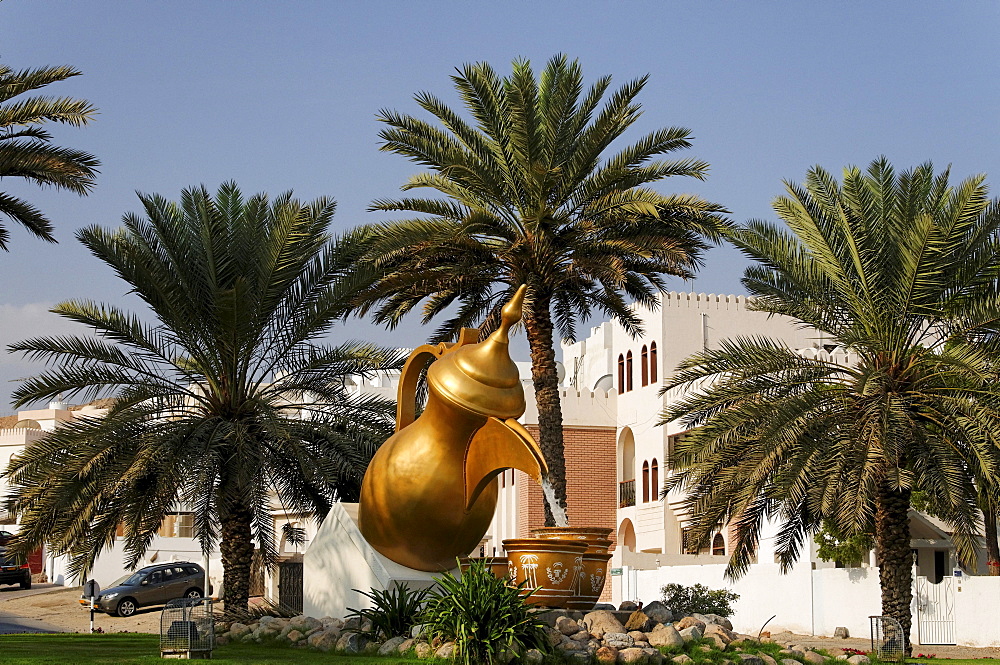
x: 652, y: 362
x: 654, y: 480
x: 718, y: 545
x: 621, y: 374
x: 645, y: 482
x: 644, y: 370
x: 628, y: 371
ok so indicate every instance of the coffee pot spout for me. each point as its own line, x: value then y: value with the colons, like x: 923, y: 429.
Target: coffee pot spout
x: 497, y: 446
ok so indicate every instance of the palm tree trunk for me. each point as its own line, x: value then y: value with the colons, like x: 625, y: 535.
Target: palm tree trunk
x: 236, y: 547
x: 892, y: 536
x: 538, y: 327
x: 992, y: 546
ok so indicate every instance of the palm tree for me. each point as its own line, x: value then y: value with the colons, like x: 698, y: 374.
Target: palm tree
x: 224, y: 405
x: 901, y: 270
x: 526, y: 200
x: 25, y: 151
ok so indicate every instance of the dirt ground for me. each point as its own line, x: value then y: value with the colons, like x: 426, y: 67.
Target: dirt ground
x: 61, y: 608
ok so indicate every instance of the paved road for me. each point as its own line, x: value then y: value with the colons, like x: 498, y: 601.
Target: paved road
x: 11, y: 623
x: 12, y: 592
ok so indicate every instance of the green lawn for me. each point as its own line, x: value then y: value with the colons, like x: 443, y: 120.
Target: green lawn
x: 129, y: 648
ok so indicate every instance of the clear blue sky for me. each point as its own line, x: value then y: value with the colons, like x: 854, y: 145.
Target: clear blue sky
x: 283, y: 95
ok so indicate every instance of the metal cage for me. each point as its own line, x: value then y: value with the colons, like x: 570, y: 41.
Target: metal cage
x: 887, y: 639
x: 187, y: 629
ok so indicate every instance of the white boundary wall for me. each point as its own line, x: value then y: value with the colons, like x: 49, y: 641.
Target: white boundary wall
x: 816, y: 602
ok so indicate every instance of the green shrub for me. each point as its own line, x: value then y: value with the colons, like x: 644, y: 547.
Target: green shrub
x: 484, y: 616
x: 394, y: 613
x: 698, y: 599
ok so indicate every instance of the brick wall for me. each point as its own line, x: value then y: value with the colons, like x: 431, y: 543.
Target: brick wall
x: 591, y: 485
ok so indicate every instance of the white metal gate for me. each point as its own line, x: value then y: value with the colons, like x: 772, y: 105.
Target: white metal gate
x: 935, y: 611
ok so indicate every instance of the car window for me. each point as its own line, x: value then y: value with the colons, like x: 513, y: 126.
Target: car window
x: 168, y: 574
x: 131, y: 580
x: 156, y: 577
x: 192, y: 570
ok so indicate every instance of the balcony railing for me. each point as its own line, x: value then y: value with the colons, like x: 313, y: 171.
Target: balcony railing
x: 626, y: 493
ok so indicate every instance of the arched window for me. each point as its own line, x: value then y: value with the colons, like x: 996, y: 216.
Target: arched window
x: 628, y: 371
x: 718, y: 545
x: 645, y: 482
x: 654, y: 482
x: 645, y: 366
x: 652, y: 362
x: 621, y: 374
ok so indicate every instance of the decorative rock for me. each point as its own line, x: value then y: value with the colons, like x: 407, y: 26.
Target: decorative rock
x: 687, y: 622
x: 789, y: 661
x: 423, y: 650
x: 859, y: 660
x: 642, y: 644
x: 582, y: 636
x: 690, y: 634
x: 238, y: 629
x: 716, y: 629
x: 534, y: 657
x: 717, y: 641
x: 658, y: 612
x: 841, y: 632
x: 618, y: 640
x: 637, y: 635
x: 607, y: 655
x: 571, y: 645
x: 814, y: 658
x: 653, y: 656
x: 567, y: 626
x: 406, y: 645
x: 354, y: 623
x: 604, y: 606
x: 628, y: 606
x: 294, y: 636
x: 836, y: 652
x: 794, y: 653
x: 750, y: 659
x: 599, y: 622
x: 447, y: 650
x: 352, y: 643
x: 221, y: 641
x: 767, y: 659
x: 631, y: 655
x: 638, y: 621
x: 682, y: 659
x: 665, y: 636
x: 579, y: 658
x: 391, y: 646
x: 714, y: 618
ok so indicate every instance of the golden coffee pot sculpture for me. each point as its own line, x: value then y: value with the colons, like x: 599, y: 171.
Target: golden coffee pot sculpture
x: 430, y: 491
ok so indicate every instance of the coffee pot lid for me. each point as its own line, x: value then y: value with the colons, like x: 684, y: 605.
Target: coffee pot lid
x: 481, y: 377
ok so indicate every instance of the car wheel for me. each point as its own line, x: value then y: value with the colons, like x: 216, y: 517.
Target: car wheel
x: 193, y: 593
x: 26, y: 584
x: 126, y: 607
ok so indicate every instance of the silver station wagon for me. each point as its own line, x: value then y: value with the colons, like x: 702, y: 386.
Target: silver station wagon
x: 152, y: 585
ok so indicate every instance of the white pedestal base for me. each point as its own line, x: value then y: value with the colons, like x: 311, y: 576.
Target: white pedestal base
x: 339, y: 559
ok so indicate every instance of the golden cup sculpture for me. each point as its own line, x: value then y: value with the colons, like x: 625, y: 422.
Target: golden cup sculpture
x: 430, y: 491
x: 552, y: 567
x: 594, y: 561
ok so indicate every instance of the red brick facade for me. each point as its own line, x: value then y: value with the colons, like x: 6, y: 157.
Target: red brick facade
x: 591, y: 484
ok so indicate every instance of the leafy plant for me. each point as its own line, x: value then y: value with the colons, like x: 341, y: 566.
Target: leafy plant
x: 698, y: 598
x: 395, y: 611
x: 850, y: 551
x: 486, y: 617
